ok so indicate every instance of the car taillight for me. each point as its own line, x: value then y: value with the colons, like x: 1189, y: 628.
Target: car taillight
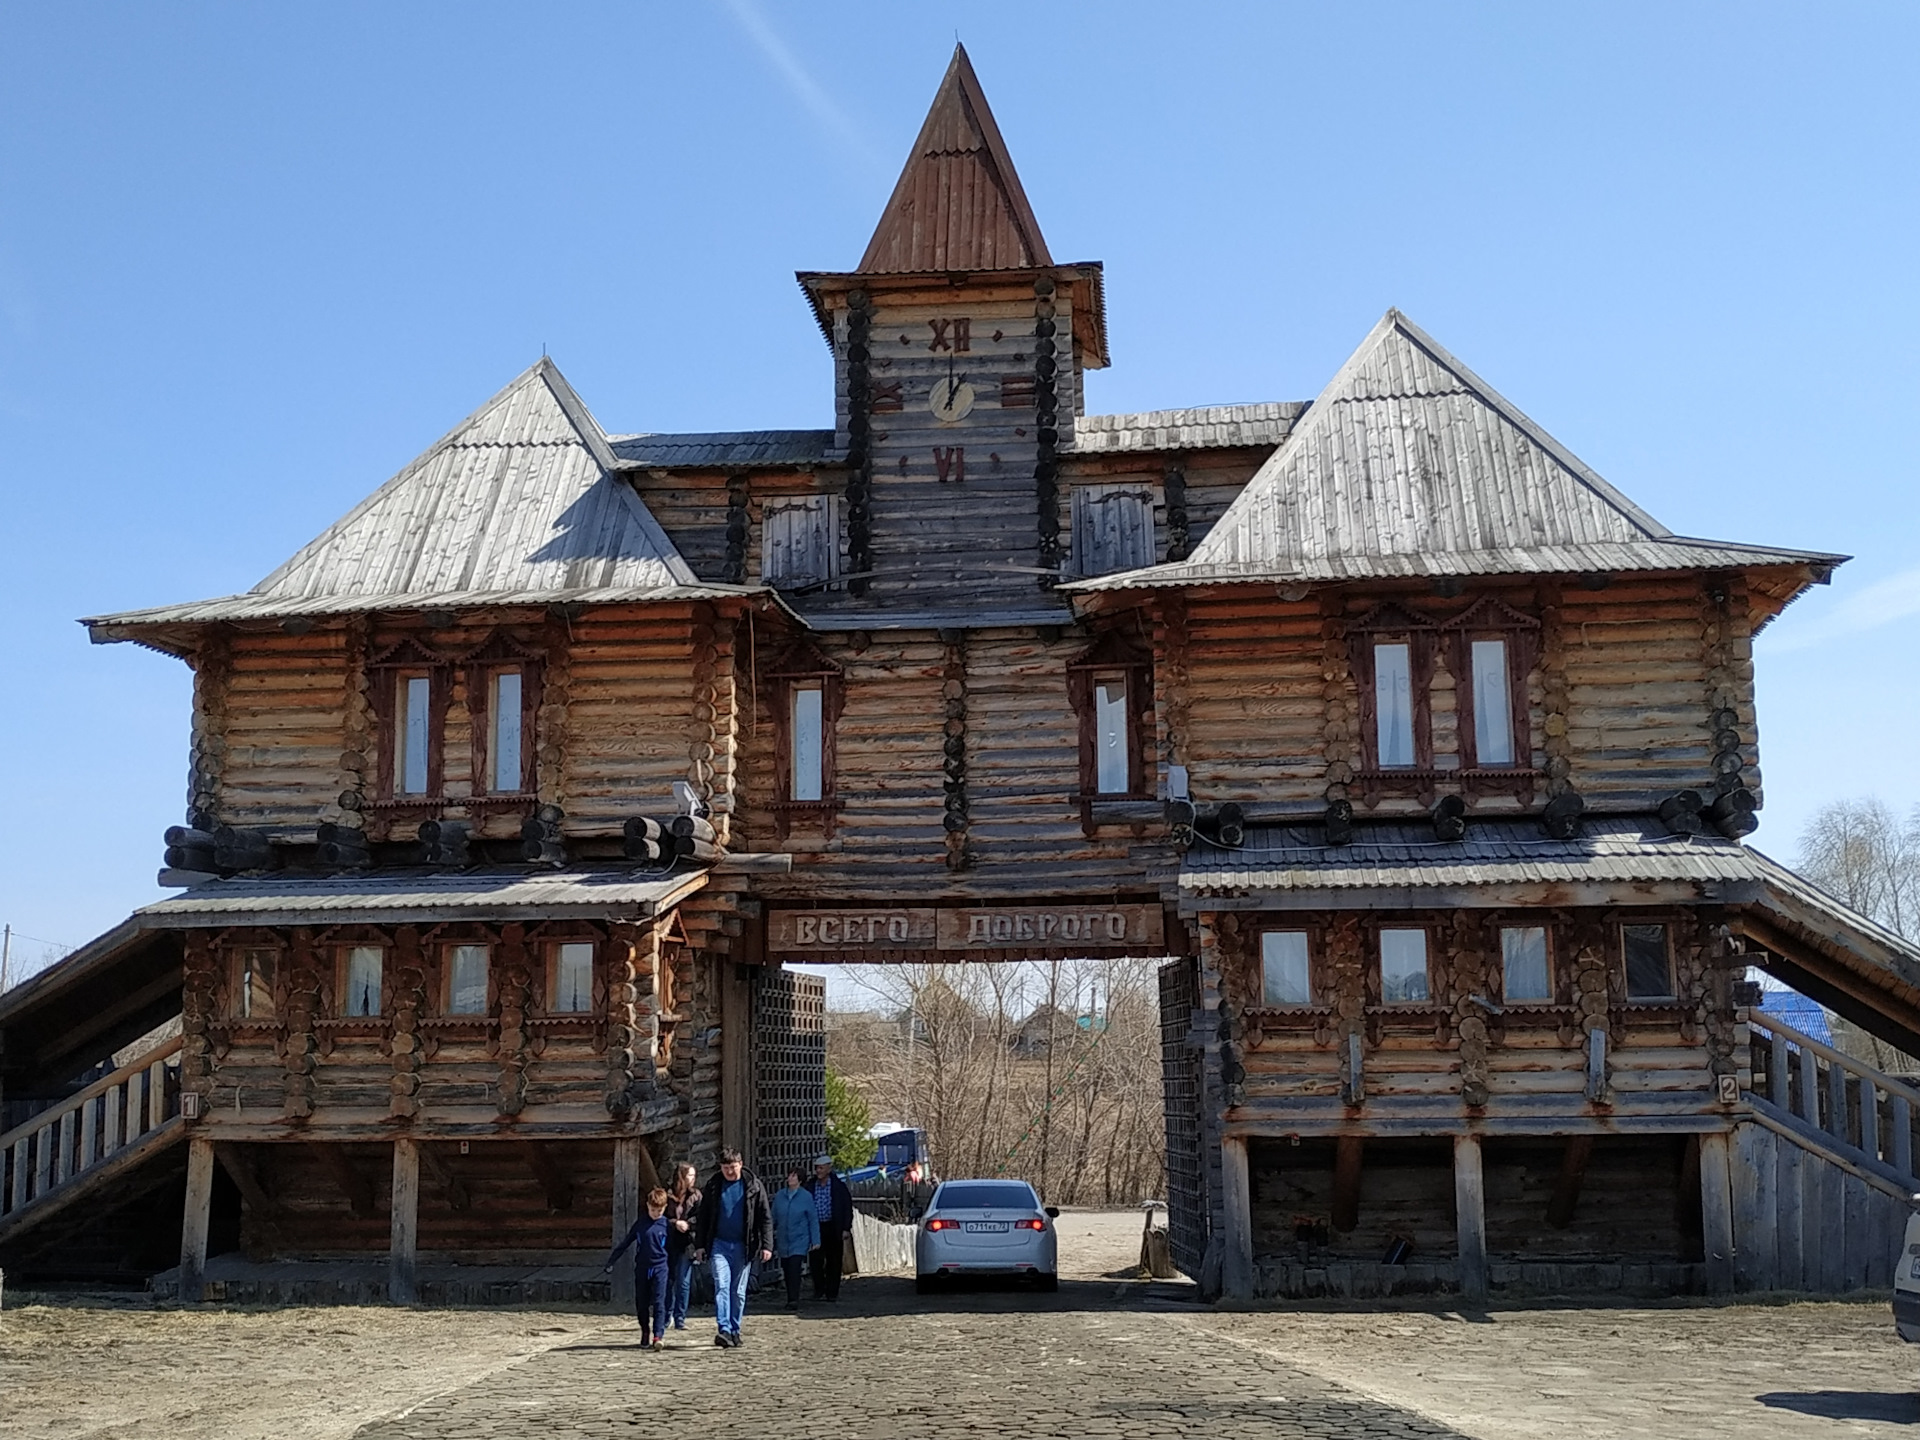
x: 937, y: 1224
x: 1029, y: 1224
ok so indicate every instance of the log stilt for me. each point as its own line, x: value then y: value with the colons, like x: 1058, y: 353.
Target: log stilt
x: 626, y: 1209
x: 1237, y: 1274
x: 1470, y: 1206
x: 403, y: 1244
x: 194, y: 1222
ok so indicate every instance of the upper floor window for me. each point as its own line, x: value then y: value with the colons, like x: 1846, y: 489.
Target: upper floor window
x: 806, y: 706
x: 800, y: 540
x: 1403, y: 967
x: 503, y: 696
x: 1487, y: 649
x: 466, y: 980
x: 1393, y: 705
x: 1523, y: 964
x: 254, y: 970
x: 365, y: 967
x: 409, y: 684
x: 413, y: 739
x: 1112, y: 735
x: 572, y: 977
x: 1648, y: 960
x: 1285, y: 976
x: 1111, y: 691
x: 1112, y: 528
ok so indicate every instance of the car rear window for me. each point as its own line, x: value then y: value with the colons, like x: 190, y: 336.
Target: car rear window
x: 984, y: 1195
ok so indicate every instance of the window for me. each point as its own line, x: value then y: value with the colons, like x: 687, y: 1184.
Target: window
x: 1403, y: 967
x: 467, y: 980
x: 1523, y: 964
x: 364, y: 966
x: 1649, y: 965
x: 800, y: 541
x: 1112, y: 528
x: 505, y: 718
x: 1113, y: 754
x: 1393, y: 704
x: 412, y: 740
x: 1284, y: 976
x: 573, y: 977
x: 1111, y: 690
x: 807, y: 741
x: 1492, y: 703
x: 254, y: 992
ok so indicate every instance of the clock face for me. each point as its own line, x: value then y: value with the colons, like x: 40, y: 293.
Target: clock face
x: 951, y: 399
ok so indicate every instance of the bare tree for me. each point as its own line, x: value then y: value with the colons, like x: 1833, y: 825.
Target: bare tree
x: 1857, y: 851
x: 1049, y: 1072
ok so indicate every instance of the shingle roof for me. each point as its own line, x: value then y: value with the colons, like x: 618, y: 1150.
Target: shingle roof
x: 958, y: 204
x: 1409, y: 464
x: 519, y: 503
x: 723, y: 448
x: 1206, y: 427
x: 1396, y: 855
x: 400, y: 899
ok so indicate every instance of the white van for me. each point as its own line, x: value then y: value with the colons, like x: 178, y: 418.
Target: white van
x: 1906, y: 1282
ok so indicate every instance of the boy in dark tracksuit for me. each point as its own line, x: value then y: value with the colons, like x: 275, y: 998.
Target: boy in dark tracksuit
x: 651, y: 1270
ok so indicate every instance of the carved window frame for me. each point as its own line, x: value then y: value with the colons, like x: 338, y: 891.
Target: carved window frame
x: 1109, y: 655
x: 803, y: 665
x: 343, y: 979
x: 498, y: 653
x: 1491, y: 618
x: 1392, y: 624
x: 239, y: 967
x: 407, y: 658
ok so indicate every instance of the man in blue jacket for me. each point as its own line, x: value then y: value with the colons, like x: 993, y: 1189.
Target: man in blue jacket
x: 833, y: 1203
x: 736, y: 1224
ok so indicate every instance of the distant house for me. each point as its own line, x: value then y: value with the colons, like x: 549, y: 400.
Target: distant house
x: 1047, y: 1025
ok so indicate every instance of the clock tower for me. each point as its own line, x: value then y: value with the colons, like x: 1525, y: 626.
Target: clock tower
x: 958, y: 348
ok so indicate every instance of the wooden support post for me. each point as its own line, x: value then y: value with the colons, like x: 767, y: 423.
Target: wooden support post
x: 1755, y: 1208
x: 194, y: 1220
x: 1900, y: 1122
x: 1716, y: 1212
x: 1837, y: 1100
x: 736, y: 1058
x: 1470, y: 1209
x: 1809, y: 1086
x: 626, y: 1209
x: 403, y: 1245
x: 1566, y: 1185
x: 1236, y: 1185
x: 1870, y: 1118
x: 1347, y: 1153
x: 1779, y: 1082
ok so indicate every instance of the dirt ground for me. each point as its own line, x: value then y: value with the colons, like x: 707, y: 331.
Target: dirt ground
x: 105, y: 1368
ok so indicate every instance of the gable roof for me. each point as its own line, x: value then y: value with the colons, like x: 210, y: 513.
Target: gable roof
x: 958, y: 204
x: 1409, y: 464
x: 518, y: 504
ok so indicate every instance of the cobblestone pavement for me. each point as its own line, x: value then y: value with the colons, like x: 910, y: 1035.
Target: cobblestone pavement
x: 886, y: 1363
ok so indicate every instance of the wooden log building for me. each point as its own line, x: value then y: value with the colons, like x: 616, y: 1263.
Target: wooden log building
x: 1420, y: 752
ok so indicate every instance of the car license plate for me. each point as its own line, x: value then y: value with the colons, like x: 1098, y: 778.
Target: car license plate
x: 987, y: 1227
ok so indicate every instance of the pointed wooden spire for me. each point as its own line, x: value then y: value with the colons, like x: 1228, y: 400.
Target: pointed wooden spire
x: 958, y: 204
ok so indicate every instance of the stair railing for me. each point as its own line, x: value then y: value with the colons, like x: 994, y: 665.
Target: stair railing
x: 63, y: 1142
x: 1863, y: 1109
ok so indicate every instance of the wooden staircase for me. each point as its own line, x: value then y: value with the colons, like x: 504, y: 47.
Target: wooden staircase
x: 1822, y: 1167
x: 92, y: 1143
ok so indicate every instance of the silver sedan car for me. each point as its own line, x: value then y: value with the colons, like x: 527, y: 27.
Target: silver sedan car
x: 987, y: 1227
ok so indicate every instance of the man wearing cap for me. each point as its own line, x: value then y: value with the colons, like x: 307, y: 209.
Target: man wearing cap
x: 833, y: 1202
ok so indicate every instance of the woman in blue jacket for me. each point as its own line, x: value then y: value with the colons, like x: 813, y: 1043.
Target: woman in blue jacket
x: 796, y: 1233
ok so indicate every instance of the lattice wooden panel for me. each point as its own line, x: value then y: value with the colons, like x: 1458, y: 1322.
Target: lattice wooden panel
x: 1189, y: 1214
x: 789, y: 1071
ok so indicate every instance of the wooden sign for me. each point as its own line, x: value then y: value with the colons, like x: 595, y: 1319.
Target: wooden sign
x: 1051, y: 927
x: 1087, y: 929
x: 825, y: 932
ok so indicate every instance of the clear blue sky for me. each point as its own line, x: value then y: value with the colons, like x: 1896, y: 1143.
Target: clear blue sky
x: 253, y: 258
